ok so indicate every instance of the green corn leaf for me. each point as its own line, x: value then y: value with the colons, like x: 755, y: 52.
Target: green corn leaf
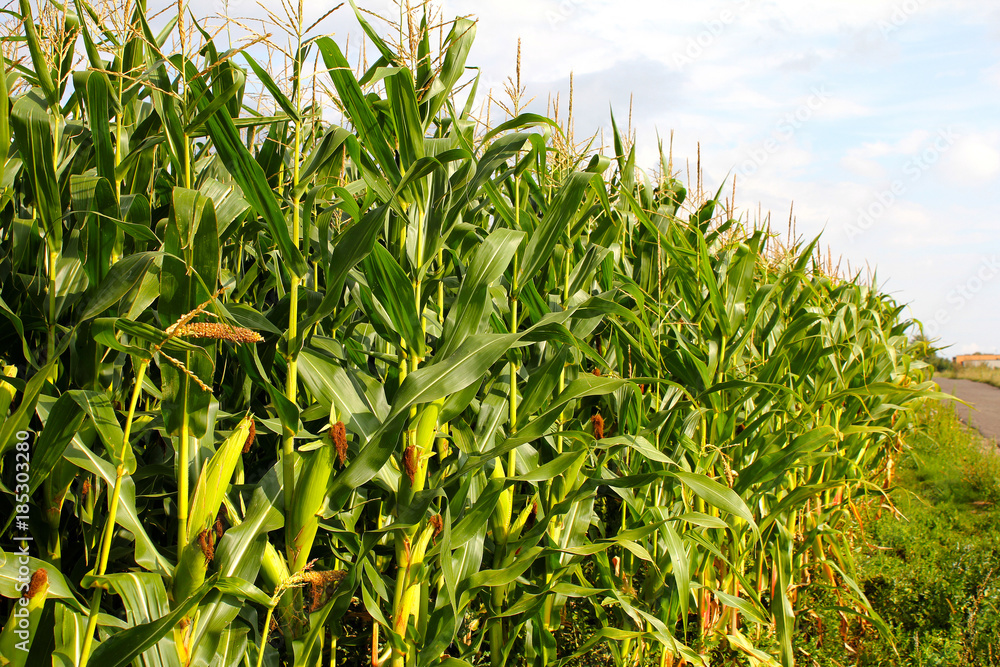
x: 745, y: 607
x: 222, y: 98
x: 390, y: 285
x: 18, y: 325
x: 781, y: 606
x: 62, y: 423
x: 352, y: 246
x: 272, y: 88
x: 32, y: 129
x: 459, y: 42
x: 518, y: 122
x: 250, y: 177
x: 405, y: 117
x: 163, y: 100
x: 120, y: 649
x: 98, y: 407
x: 466, y: 365
x: 146, y: 552
x: 124, y: 276
x: 563, y: 209
x: 373, y: 35
x: 358, y: 109
x: 470, y: 311
x: 145, y: 600
x: 41, y: 68
x: 26, y: 409
x: 717, y: 495
x: 99, y: 107
x: 333, y: 387
x: 96, y: 205
x: 188, y: 274
x: 329, y: 148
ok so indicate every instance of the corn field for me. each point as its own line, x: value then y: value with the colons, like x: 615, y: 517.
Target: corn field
x: 404, y: 388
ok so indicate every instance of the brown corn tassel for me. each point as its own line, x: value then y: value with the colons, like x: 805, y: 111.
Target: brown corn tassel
x: 339, y: 436
x: 206, y: 541
x: 219, y: 331
x: 437, y: 523
x: 39, y: 580
x: 319, y: 582
x: 219, y: 527
x: 251, y: 436
x: 410, y: 462
x: 597, y: 421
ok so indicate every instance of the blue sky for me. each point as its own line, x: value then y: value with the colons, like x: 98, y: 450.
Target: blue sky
x: 880, y: 119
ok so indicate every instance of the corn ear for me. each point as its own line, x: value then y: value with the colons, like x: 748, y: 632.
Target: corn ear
x: 22, y: 625
x: 213, y: 481
x: 413, y: 575
x: 502, y: 513
x: 208, y: 495
x: 192, y: 566
x: 311, y: 492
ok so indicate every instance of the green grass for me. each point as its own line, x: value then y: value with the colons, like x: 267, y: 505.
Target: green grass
x: 931, y: 570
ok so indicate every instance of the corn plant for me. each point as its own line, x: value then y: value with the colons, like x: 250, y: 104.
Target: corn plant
x: 397, y: 389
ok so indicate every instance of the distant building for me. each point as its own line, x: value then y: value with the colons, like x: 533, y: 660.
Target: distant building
x: 988, y: 360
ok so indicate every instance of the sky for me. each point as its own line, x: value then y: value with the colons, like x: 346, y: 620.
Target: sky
x: 879, y: 119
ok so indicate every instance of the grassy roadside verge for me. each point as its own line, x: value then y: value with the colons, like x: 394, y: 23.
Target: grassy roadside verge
x: 933, y: 571
x: 975, y: 373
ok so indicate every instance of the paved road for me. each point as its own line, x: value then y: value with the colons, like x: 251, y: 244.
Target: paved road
x: 985, y: 400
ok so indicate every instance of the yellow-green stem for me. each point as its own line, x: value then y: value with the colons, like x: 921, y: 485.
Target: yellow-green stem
x: 291, y: 393
x: 109, y: 526
x: 95, y: 600
x: 562, y: 414
x: 183, y: 447
x: 119, y: 129
x: 263, y: 634
x: 496, y: 630
x: 512, y: 457
x: 51, y: 349
x: 562, y: 372
x: 442, y: 442
x: 514, y: 288
x: 292, y: 381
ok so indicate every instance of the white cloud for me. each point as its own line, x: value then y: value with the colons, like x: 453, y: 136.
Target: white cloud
x: 871, y: 150
x: 864, y: 167
x: 839, y: 108
x: 912, y: 143
x: 974, y: 160
x: 992, y: 75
